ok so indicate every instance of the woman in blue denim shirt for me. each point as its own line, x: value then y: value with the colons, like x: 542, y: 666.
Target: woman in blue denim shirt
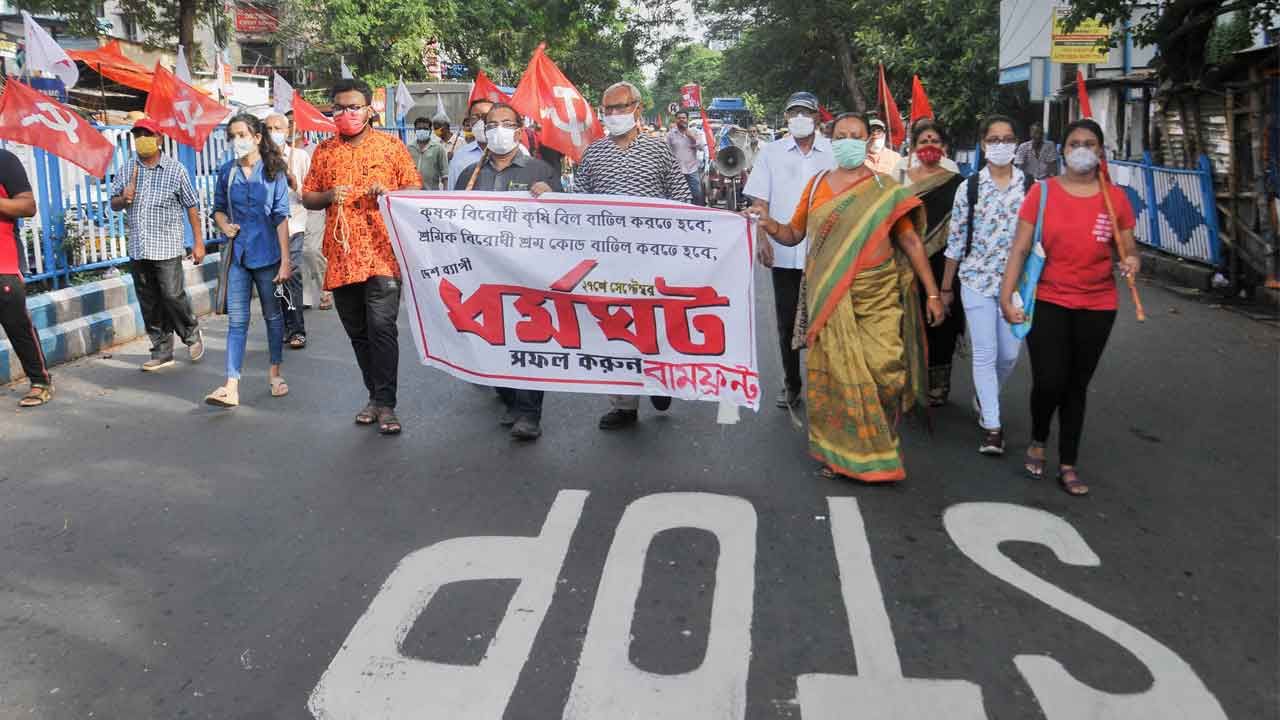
x: 251, y: 208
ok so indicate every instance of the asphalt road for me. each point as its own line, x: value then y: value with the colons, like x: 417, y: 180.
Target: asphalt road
x: 162, y: 559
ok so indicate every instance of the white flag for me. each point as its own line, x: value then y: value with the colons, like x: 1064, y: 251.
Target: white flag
x: 45, y: 55
x: 181, y: 69
x: 441, y: 115
x: 404, y: 100
x: 223, y: 81
x: 346, y: 71
x: 283, y: 94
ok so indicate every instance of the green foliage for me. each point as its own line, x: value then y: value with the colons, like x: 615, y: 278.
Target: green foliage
x: 832, y: 48
x: 158, y: 20
x: 1228, y: 37
x: 684, y: 64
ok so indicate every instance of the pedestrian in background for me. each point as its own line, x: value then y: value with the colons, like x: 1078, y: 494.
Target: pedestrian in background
x: 683, y: 142
x: 629, y: 163
x: 17, y: 201
x: 859, y: 309
x: 349, y: 173
x: 880, y: 156
x: 508, y: 169
x: 298, y: 163
x: 470, y: 154
x: 777, y: 177
x: 429, y: 156
x: 1075, y: 303
x: 936, y: 188
x: 1036, y: 158
x: 251, y: 208
x: 155, y: 192
x: 978, y: 242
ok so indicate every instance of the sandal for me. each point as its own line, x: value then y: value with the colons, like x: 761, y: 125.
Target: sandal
x: 297, y: 342
x: 326, y: 301
x: 222, y: 397
x: 279, y: 388
x: 367, y: 416
x: 1034, y: 465
x: 388, y: 423
x: 1071, y: 482
x: 38, y: 395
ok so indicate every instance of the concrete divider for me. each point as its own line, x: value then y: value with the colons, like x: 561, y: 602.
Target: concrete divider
x: 81, y: 320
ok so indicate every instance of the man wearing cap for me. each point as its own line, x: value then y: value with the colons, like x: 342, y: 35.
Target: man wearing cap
x: 778, y: 177
x: 154, y: 190
x: 880, y: 157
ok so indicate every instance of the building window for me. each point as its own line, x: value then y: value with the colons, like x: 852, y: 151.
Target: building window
x: 260, y: 54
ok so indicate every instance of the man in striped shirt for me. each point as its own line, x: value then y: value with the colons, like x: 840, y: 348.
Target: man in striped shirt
x: 630, y: 163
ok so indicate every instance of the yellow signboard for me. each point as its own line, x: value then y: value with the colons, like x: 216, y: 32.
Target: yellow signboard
x: 1085, y: 45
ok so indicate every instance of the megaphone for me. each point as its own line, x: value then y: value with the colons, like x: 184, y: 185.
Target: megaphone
x: 730, y: 161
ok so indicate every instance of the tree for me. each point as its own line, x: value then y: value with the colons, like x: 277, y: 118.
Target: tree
x: 160, y: 22
x: 1180, y: 29
x: 688, y: 63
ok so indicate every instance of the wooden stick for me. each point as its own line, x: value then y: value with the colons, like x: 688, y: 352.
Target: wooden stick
x: 1115, y: 229
x: 476, y: 173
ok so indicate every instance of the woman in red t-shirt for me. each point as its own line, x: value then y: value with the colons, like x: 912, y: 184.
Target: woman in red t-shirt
x: 1076, y: 297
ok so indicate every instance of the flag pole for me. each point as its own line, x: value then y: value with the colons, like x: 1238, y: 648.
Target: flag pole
x: 102, y: 94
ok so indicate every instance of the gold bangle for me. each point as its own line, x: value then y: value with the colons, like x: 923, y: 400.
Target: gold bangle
x: 935, y: 297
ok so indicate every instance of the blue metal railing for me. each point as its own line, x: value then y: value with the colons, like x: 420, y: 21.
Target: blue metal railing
x: 1175, y: 207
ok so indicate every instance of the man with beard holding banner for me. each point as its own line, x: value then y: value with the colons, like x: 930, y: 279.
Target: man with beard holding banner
x: 633, y: 164
x: 505, y: 168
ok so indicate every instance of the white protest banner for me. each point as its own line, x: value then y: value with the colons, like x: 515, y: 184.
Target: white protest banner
x: 580, y: 293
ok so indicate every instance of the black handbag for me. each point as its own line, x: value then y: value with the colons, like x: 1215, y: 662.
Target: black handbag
x: 224, y: 256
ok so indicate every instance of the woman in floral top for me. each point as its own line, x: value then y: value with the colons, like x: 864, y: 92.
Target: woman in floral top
x: 981, y: 267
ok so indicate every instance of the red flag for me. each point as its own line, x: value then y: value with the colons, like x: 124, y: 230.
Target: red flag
x: 308, y: 118
x: 183, y: 112
x: 661, y: 120
x: 484, y: 89
x: 706, y: 130
x: 920, y: 107
x: 892, y: 118
x: 691, y: 96
x: 33, y: 118
x: 1086, y: 110
x: 569, y: 124
x: 824, y: 115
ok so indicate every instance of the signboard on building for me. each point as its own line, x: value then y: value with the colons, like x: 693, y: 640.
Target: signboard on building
x: 255, y: 21
x: 1085, y: 45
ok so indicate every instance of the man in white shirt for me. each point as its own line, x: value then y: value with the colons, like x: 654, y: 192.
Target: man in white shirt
x: 470, y: 154
x: 299, y: 164
x: 778, y: 177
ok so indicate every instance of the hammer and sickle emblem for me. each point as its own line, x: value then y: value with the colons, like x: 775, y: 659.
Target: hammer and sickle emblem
x: 573, y: 125
x: 54, y: 118
x: 186, y: 119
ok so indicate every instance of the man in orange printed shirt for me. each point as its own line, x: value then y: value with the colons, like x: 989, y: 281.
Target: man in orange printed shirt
x: 348, y: 174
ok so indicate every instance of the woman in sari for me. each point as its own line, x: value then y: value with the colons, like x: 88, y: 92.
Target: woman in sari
x: 860, y: 315
x: 936, y: 188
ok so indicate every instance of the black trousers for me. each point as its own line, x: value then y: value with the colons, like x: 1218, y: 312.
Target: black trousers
x: 525, y: 403
x: 166, y: 309
x: 22, y: 333
x: 1065, y: 346
x: 786, y: 296
x: 294, y: 324
x: 369, y: 312
x: 942, y: 339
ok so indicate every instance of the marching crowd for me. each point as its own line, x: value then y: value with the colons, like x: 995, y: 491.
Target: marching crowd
x: 879, y: 261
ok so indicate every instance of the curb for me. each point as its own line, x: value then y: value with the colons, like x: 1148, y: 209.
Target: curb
x: 79, y: 321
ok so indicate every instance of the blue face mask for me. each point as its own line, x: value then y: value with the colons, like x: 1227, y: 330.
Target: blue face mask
x: 850, y: 153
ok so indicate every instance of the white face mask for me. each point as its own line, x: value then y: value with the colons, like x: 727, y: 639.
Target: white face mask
x: 800, y: 126
x: 877, y: 144
x: 501, y: 140
x: 1082, y: 159
x: 242, y: 147
x: 619, y: 124
x: 280, y: 139
x: 1001, y: 153
x: 477, y: 129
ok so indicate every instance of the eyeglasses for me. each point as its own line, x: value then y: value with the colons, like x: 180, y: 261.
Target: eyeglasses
x: 339, y: 109
x: 619, y: 109
x: 1006, y: 140
x: 508, y: 124
x: 801, y: 112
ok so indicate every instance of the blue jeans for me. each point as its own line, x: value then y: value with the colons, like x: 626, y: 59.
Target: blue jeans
x: 695, y: 187
x: 240, y: 284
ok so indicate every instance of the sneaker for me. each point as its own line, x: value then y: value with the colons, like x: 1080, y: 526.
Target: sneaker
x: 618, y: 419
x: 992, y: 443
x: 508, y: 418
x: 526, y: 428
x: 157, y: 363
x: 661, y: 403
x: 789, y: 399
x: 197, y: 348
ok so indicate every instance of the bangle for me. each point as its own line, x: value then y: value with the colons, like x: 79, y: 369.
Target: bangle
x: 934, y: 297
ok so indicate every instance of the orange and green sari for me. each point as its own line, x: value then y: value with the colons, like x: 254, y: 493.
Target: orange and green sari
x: 865, y: 333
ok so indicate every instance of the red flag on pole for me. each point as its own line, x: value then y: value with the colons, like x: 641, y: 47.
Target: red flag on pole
x: 824, y: 115
x: 33, y: 118
x: 892, y: 118
x: 569, y: 124
x: 182, y: 112
x: 1082, y: 94
x: 485, y: 89
x: 920, y: 107
x: 691, y: 96
x: 308, y: 118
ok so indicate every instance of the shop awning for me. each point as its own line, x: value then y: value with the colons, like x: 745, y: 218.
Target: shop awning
x: 113, y: 65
